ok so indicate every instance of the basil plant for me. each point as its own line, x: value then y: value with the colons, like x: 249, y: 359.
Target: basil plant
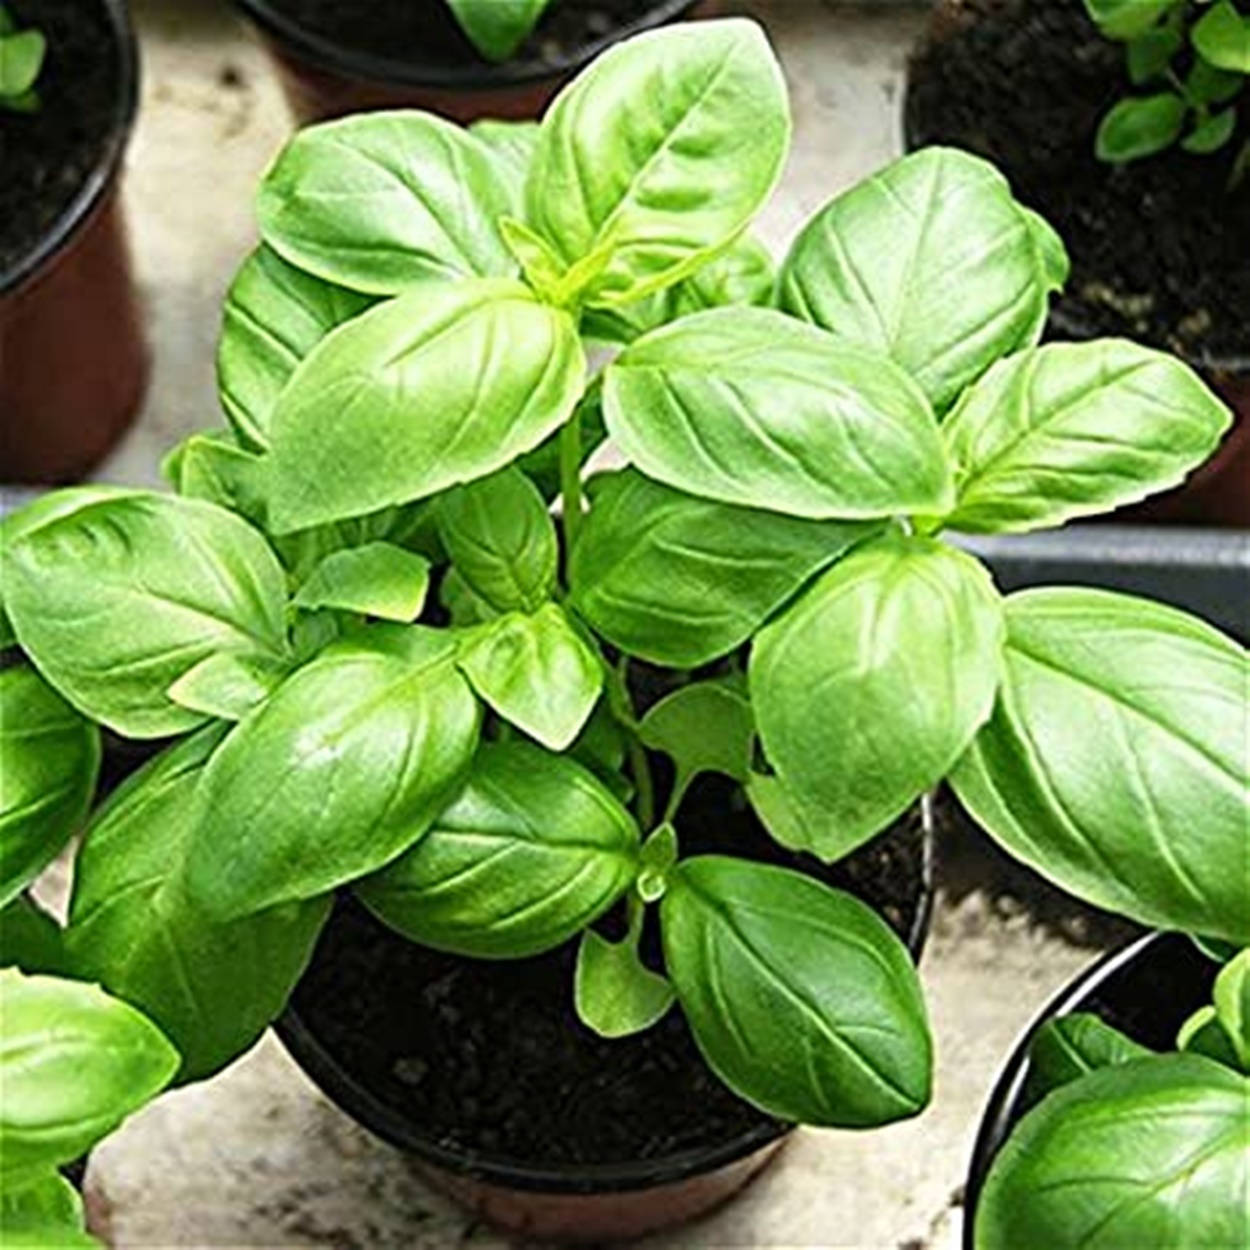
x: 497, y: 28
x: 1190, y: 60
x: 398, y: 638
x: 74, y: 1063
x: 1128, y: 1147
x: 22, y: 53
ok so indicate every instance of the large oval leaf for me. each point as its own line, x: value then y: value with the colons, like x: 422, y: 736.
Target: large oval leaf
x: 74, y: 1063
x: 118, y: 599
x: 443, y: 385
x: 801, y: 998
x: 274, y: 315
x: 49, y: 758
x: 213, y: 988
x: 659, y: 154
x: 751, y: 407
x: 679, y: 580
x: 1151, y: 1153
x: 930, y: 262
x: 533, y: 850
x: 869, y: 688
x: 341, y: 770
x: 1115, y: 762
x: 381, y: 201
x: 1073, y: 429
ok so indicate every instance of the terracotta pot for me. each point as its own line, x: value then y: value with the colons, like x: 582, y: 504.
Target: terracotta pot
x: 1166, y: 971
x: 322, y: 80
x: 571, y: 1203
x: 73, y: 363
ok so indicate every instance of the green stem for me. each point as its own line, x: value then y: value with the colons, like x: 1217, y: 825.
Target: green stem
x: 641, y: 769
x: 681, y: 783
x: 571, y: 479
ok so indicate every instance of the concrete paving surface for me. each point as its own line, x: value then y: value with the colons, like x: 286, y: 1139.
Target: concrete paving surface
x: 257, y: 1158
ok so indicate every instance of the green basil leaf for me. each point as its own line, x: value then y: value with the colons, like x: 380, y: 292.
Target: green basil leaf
x: 74, y: 1063
x: 1115, y: 762
x: 116, y: 600
x: 1208, y: 85
x: 614, y: 992
x: 377, y: 579
x: 1053, y: 255
x: 21, y: 60
x: 1222, y: 37
x: 1149, y: 55
x: 341, y: 770
x: 1069, y: 1047
x: 1204, y: 1034
x: 658, y: 155
x: 411, y: 526
x: 1212, y: 134
x: 463, y: 606
x: 512, y: 146
x: 47, y: 1214
x: 533, y: 850
x: 212, y: 987
x: 274, y: 315
x: 750, y: 407
x: 382, y: 201
x: 1128, y: 19
x: 215, y: 469
x: 679, y: 580
x: 1152, y: 1153
x: 1232, y: 1005
x: 536, y: 672
x: 501, y: 540
x: 930, y: 262
x: 800, y: 997
x: 441, y: 386
x: 705, y: 727
x: 1073, y: 429
x: 227, y: 686
x: 496, y: 29
x: 49, y: 760
x: 903, y: 623
x: 1140, y: 126
x: 30, y: 939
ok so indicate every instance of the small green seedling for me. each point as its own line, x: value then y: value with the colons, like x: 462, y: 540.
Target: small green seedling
x: 1128, y: 1147
x: 22, y: 55
x: 1191, y: 59
x: 496, y: 28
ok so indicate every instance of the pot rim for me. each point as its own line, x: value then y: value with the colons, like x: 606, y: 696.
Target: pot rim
x: 998, y: 1116
x: 103, y: 173
x: 348, y: 62
x: 373, y: 1113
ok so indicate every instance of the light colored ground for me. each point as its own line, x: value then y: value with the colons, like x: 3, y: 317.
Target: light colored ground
x: 257, y: 1157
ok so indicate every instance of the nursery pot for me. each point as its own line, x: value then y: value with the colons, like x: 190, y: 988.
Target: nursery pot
x: 1147, y: 990
x: 657, y: 1077
x: 1158, y: 246
x: 73, y: 363
x: 322, y: 77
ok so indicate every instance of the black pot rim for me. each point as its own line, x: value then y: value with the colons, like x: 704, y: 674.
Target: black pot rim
x: 1066, y: 321
x: 108, y: 162
x: 997, y: 1119
x: 398, y: 1130
x: 347, y: 62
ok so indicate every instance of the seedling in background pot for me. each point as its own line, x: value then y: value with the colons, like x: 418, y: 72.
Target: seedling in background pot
x: 1191, y: 61
x: 22, y: 55
x: 405, y: 374
x: 496, y: 28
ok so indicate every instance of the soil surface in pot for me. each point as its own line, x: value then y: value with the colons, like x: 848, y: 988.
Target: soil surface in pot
x: 491, y: 1058
x: 1160, y: 247
x: 48, y: 155
x: 426, y: 31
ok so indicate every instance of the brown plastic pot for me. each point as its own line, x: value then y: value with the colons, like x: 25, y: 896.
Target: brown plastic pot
x: 323, y: 80
x: 73, y: 363
x: 569, y: 1203
x: 1165, y: 972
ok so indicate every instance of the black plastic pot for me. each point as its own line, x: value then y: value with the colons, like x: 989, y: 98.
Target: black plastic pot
x: 1148, y: 990
x: 576, y: 1203
x: 322, y: 79
x: 75, y: 362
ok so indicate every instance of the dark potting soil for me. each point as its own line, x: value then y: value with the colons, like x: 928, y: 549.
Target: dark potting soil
x: 426, y: 31
x: 1160, y: 247
x: 490, y: 1057
x: 47, y: 156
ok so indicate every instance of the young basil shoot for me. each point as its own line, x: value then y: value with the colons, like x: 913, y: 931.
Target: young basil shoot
x: 1127, y: 1147
x: 22, y: 53
x: 496, y: 28
x: 405, y: 375
x: 1191, y: 63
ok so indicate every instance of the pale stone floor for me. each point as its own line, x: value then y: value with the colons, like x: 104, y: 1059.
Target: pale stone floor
x: 257, y: 1157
